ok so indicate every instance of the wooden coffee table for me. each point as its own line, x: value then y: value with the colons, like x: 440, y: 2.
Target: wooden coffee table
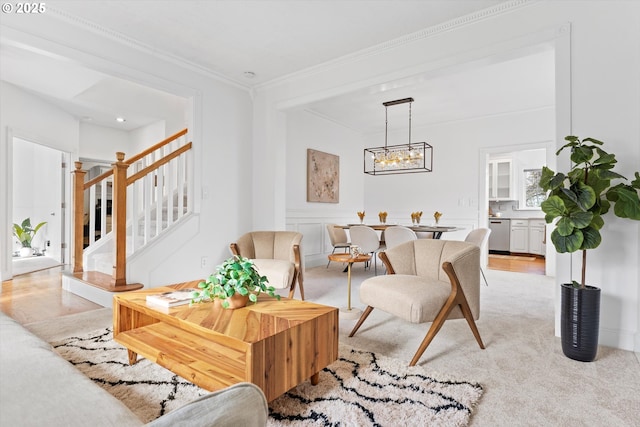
x: 273, y: 344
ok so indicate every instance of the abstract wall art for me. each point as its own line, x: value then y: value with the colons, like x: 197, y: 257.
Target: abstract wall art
x: 323, y: 177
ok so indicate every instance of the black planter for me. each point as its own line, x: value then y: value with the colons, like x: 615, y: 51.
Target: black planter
x: 579, y: 322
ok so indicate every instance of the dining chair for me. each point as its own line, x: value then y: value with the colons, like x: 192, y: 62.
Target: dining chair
x: 339, y: 239
x: 424, y: 234
x: 427, y: 280
x: 276, y: 254
x: 479, y: 237
x: 367, y: 239
x: 397, y: 234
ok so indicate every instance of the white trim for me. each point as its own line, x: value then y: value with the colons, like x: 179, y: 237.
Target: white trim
x: 120, y: 38
x: 435, y: 30
x: 505, y: 50
x: 6, y: 251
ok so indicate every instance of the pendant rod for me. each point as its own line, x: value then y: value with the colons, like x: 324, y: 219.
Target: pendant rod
x: 410, y: 126
x: 386, y: 126
x: 397, y: 101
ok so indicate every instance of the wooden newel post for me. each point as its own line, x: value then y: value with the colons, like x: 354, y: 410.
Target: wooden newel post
x: 120, y: 220
x: 78, y: 216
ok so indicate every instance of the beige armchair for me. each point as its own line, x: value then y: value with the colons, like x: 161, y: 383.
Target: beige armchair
x: 428, y: 280
x: 276, y: 254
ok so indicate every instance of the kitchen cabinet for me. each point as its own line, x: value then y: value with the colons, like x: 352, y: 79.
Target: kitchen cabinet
x: 519, y: 237
x: 537, y: 236
x: 500, y: 180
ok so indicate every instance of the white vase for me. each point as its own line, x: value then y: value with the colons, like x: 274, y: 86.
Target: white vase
x: 26, y: 252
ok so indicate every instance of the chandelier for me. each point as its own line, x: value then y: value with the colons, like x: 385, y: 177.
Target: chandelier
x: 394, y: 159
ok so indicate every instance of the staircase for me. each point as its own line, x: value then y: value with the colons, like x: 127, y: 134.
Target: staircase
x: 150, y: 195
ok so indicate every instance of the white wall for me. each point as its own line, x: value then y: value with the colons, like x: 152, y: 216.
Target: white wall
x: 220, y: 126
x: 28, y: 117
x: 603, y: 86
x: 102, y: 143
x: 453, y: 186
x: 304, y: 131
x: 145, y: 136
x: 595, y: 99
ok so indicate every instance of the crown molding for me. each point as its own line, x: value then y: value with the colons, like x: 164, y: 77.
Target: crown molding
x: 120, y: 38
x: 423, y: 34
x: 430, y: 125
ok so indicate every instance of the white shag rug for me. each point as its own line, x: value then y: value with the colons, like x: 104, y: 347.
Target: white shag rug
x: 359, y: 389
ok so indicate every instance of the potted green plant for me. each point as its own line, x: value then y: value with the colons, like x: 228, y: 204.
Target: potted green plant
x: 579, y: 199
x: 235, y: 283
x: 25, y: 233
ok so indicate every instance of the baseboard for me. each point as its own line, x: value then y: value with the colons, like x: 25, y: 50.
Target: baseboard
x: 623, y: 340
x: 91, y: 293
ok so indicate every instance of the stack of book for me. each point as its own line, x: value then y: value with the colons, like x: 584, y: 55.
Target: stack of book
x: 173, y: 298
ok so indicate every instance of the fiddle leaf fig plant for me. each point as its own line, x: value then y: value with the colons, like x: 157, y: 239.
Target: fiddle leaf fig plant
x: 581, y: 197
x: 235, y: 275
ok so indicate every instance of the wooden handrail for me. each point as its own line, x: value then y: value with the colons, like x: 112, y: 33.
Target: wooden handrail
x: 155, y: 165
x: 119, y: 206
x: 155, y: 147
x: 97, y: 179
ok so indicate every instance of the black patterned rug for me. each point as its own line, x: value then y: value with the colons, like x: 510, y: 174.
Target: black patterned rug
x: 359, y: 389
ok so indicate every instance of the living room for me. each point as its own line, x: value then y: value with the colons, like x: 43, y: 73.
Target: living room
x: 272, y: 192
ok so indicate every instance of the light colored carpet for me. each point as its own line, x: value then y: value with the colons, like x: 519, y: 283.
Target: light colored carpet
x: 526, y: 378
x: 360, y: 389
x: 31, y: 264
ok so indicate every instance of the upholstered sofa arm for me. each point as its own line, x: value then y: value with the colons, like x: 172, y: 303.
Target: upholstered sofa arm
x: 241, y: 404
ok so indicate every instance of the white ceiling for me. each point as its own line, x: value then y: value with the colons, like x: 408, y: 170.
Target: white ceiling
x: 274, y: 39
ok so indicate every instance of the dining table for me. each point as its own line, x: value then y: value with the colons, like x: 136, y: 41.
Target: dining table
x: 437, y: 230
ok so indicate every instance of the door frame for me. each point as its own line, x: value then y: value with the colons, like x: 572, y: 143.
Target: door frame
x: 483, y: 180
x: 65, y: 226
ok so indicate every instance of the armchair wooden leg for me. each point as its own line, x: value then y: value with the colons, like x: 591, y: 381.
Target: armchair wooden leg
x: 292, y: 289
x: 435, y: 328
x: 363, y: 317
x: 456, y: 298
x: 466, y: 311
x: 301, y: 285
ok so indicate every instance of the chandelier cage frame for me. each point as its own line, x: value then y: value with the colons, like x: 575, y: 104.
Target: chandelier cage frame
x: 413, y: 157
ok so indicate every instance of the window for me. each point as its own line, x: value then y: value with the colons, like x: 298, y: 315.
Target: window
x: 532, y: 193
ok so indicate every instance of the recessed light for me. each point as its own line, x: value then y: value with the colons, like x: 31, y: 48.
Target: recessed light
x: 120, y: 119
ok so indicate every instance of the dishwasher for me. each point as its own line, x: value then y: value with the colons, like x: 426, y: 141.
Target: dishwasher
x: 500, y: 237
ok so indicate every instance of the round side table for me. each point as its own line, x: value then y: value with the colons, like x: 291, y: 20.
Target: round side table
x: 349, y: 312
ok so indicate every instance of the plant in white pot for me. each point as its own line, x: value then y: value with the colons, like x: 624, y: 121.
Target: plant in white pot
x: 25, y: 233
x: 235, y: 283
x: 579, y: 199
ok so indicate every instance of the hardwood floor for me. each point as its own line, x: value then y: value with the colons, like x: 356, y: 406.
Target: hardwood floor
x: 520, y: 264
x: 39, y: 296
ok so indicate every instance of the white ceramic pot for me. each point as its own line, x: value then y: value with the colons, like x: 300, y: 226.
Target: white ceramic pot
x: 26, y: 252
